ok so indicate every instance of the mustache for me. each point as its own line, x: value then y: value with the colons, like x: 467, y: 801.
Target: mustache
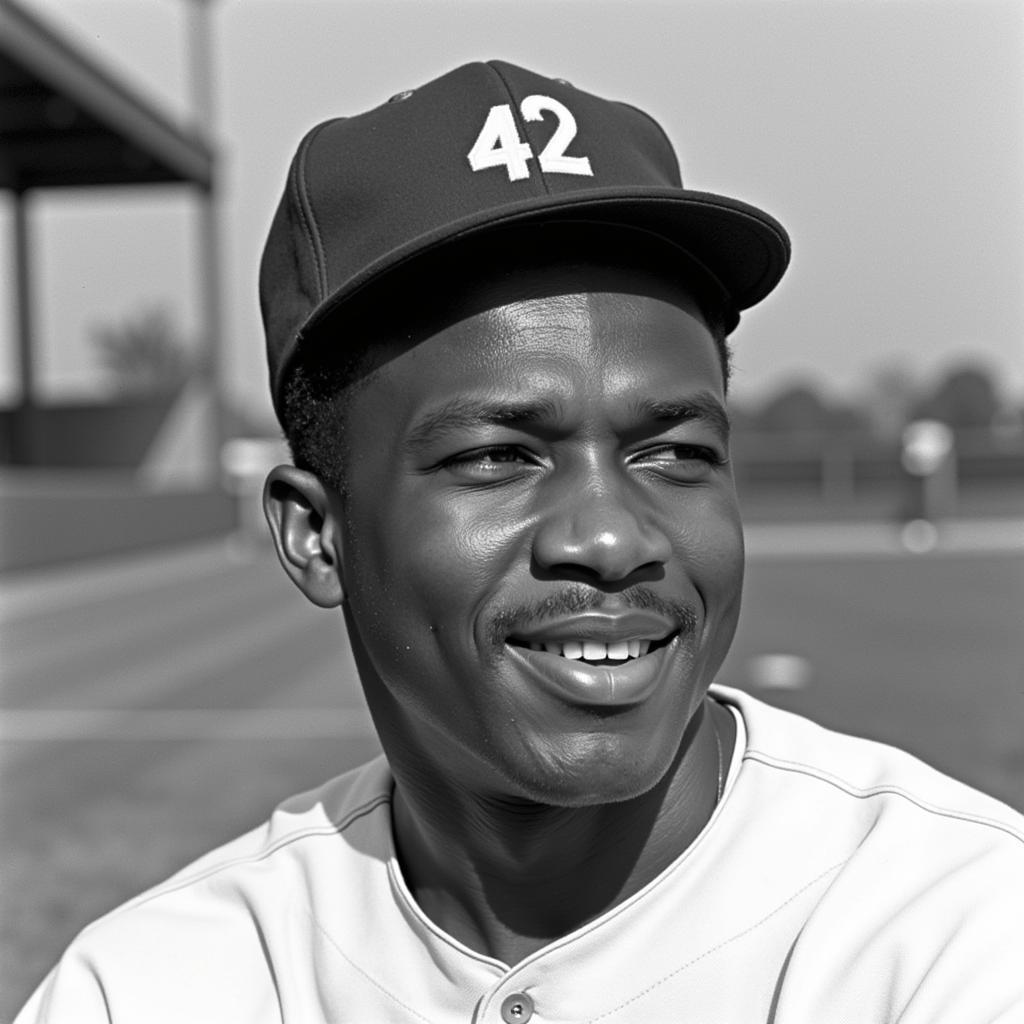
x: 576, y: 600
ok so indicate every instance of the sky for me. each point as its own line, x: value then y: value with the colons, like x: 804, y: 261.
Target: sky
x: 886, y: 135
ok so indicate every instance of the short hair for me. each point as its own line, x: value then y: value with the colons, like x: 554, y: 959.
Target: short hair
x: 408, y: 303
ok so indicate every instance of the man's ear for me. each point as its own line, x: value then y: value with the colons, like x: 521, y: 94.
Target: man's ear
x: 306, y: 533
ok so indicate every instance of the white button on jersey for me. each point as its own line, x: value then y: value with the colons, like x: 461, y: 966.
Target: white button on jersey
x: 517, y: 1008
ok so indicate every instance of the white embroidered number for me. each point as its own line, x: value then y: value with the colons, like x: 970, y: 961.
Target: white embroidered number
x: 552, y: 158
x: 499, y: 144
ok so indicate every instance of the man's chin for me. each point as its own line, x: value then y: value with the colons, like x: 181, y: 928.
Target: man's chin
x: 593, y: 773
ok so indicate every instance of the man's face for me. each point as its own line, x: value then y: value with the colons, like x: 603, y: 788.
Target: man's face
x: 542, y: 552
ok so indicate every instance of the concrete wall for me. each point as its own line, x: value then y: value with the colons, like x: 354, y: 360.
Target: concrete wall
x: 85, y: 434
x: 48, y: 518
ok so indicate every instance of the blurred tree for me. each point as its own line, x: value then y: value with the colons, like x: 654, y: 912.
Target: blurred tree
x: 965, y: 399
x: 145, y: 354
x: 800, y: 408
x: 796, y: 408
x: 889, y: 400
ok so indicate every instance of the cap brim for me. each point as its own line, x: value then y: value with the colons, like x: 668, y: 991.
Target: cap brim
x: 745, y: 249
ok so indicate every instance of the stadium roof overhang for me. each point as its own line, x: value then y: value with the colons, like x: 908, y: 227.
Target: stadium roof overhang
x: 64, y: 121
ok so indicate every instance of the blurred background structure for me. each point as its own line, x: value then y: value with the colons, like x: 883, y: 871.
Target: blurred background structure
x: 163, y: 685
x: 87, y: 478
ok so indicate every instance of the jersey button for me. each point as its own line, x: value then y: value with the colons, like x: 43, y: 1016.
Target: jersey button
x: 517, y: 1008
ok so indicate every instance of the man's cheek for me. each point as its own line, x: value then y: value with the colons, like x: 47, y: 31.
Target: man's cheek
x: 714, y: 562
x: 709, y: 543
x: 468, y: 540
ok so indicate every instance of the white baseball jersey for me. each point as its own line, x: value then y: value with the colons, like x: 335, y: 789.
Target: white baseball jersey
x: 839, y: 880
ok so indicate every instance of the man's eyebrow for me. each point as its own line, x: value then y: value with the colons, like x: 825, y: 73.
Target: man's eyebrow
x: 466, y: 413
x: 701, y: 405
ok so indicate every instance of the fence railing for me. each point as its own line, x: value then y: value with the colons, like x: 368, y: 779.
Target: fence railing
x: 844, y: 471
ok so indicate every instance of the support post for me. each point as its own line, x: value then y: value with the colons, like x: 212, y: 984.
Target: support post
x: 23, y: 438
x: 208, y: 234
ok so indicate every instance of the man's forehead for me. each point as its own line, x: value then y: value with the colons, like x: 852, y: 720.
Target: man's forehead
x: 521, y: 335
x: 528, y: 302
x: 605, y: 297
x: 614, y: 359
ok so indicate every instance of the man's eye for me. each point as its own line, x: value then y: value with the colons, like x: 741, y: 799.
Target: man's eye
x: 684, y: 462
x: 484, y: 464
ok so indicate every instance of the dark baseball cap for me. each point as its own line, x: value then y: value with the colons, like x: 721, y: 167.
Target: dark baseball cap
x: 486, y: 146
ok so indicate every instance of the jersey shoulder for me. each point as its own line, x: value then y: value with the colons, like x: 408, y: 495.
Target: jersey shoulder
x: 199, y: 946
x: 867, y: 772
x: 918, y: 912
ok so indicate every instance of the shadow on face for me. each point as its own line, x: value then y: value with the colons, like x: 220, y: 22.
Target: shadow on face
x: 437, y: 289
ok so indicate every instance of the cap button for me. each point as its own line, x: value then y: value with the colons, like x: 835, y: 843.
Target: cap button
x: 517, y: 1008
x: 565, y: 82
x: 399, y: 96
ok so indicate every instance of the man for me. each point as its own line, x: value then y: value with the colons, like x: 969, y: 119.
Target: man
x: 496, y: 328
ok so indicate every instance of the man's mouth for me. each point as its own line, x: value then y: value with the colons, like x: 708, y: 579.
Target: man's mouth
x: 596, y: 652
x: 618, y: 671
x: 600, y: 658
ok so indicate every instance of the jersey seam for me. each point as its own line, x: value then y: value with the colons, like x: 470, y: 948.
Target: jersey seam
x: 399, y: 893
x: 889, y: 789
x: 170, y: 887
x: 721, y: 945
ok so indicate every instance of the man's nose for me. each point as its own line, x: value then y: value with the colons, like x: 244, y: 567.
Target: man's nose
x: 600, y: 529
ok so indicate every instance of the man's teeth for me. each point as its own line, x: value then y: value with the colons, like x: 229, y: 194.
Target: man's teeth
x: 594, y: 650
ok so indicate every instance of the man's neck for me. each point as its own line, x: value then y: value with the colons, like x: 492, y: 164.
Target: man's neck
x: 506, y: 878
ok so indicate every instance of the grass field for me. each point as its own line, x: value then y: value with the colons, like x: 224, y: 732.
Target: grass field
x: 156, y: 707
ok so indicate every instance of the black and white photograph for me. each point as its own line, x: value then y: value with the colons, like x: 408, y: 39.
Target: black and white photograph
x: 511, y: 511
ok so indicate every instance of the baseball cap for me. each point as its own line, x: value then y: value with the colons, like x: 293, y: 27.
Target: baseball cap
x: 485, y: 146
